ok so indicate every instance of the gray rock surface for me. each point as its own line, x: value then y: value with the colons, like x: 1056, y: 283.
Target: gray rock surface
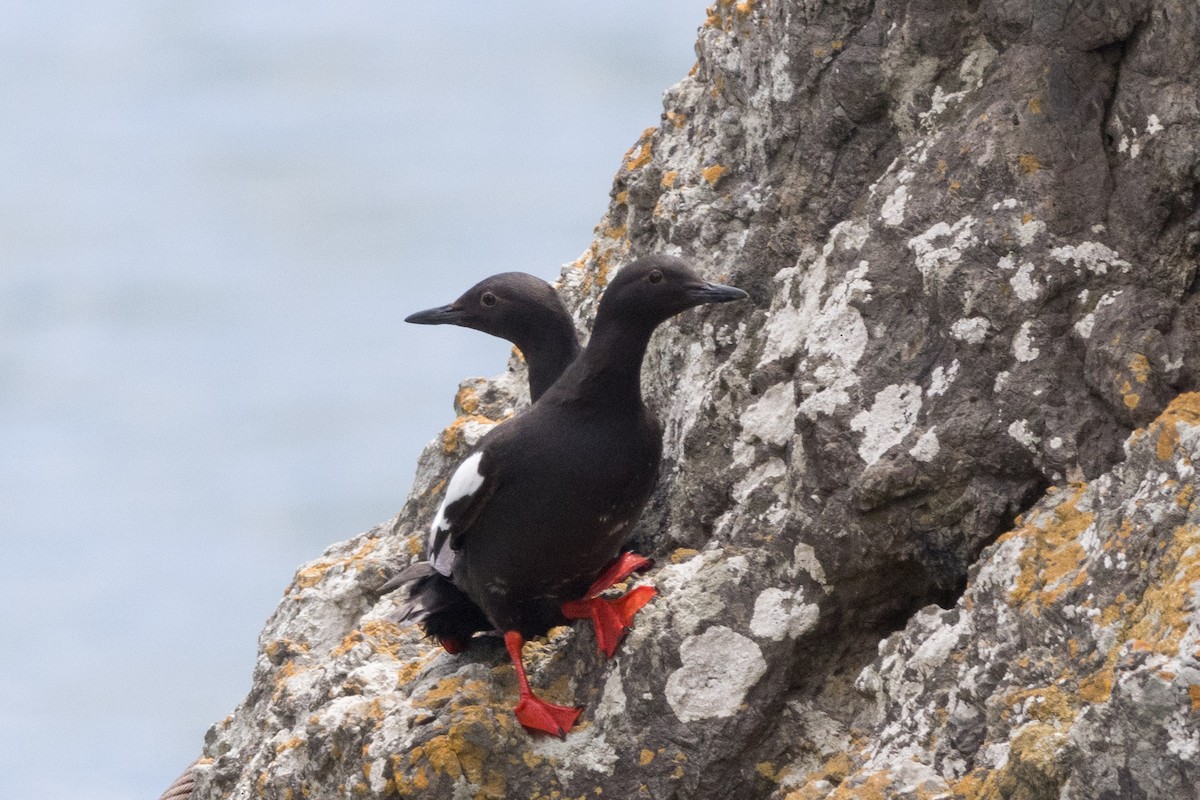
x: 970, y: 233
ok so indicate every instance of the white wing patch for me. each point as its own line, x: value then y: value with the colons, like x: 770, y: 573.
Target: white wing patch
x: 465, y: 482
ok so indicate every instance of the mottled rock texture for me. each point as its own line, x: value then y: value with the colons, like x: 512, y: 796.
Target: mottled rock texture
x: 970, y: 234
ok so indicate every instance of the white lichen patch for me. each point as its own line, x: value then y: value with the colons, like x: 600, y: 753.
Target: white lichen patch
x: 763, y: 475
x: 1153, y: 125
x: 1019, y: 430
x: 1087, y: 323
x: 892, y: 211
x: 938, y: 249
x: 691, y: 590
x: 927, y: 447
x: 1092, y: 256
x: 1028, y: 231
x: 719, y: 667
x: 1023, y: 348
x: 941, y: 378
x: 586, y: 749
x: 780, y: 613
x: 804, y: 559
x: 835, y: 342
x: 972, y: 330
x: 772, y: 420
x: 1023, y: 284
x: 891, y: 416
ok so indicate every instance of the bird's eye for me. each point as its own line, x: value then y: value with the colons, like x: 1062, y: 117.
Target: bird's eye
x: 488, y: 299
x: 655, y: 276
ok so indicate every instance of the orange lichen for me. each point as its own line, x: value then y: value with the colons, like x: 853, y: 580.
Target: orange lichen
x: 1161, y: 618
x: 646, y: 756
x: 713, y: 174
x: 677, y: 118
x: 1035, y: 105
x: 290, y: 744
x: 668, y: 178
x: 1097, y: 687
x: 1140, y: 367
x: 382, y: 636
x: 623, y: 197
x: 681, y: 554
x: 1183, y: 409
x: 875, y: 786
x: 616, y: 232
x: 453, y: 435
x: 1051, y: 560
x: 311, y: 576
x: 639, y: 155
x: 467, y: 399
x: 1194, y: 696
x: 1028, y: 163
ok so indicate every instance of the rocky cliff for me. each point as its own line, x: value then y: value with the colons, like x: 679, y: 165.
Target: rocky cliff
x: 926, y: 526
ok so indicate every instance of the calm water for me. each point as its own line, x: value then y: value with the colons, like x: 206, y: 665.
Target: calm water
x: 213, y: 218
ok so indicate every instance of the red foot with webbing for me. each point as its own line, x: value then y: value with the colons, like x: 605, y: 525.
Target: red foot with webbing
x: 610, y: 618
x: 534, y: 713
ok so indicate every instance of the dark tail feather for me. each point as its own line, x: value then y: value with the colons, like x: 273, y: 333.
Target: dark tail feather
x: 442, y: 609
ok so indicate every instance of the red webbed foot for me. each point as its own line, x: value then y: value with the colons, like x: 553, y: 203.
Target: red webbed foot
x: 618, y: 570
x: 534, y: 713
x: 610, y: 618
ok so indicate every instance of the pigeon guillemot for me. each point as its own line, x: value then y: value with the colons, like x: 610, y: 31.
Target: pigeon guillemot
x: 528, y: 312
x: 522, y: 309
x: 533, y: 516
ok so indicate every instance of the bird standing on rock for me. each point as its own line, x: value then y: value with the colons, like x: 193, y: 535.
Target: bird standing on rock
x: 532, y: 518
x: 528, y: 312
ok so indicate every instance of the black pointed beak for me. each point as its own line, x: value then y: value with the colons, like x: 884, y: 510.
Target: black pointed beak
x: 716, y: 293
x: 442, y: 315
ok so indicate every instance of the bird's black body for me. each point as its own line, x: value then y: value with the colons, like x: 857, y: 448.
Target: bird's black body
x: 574, y: 482
x: 522, y: 309
x: 547, y: 498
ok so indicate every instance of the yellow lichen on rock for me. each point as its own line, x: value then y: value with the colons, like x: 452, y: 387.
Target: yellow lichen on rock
x: 1184, y: 409
x: 453, y: 437
x: 639, y: 155
x: 713, y: 174
x: 311, y: 575
x: 1051, y: 560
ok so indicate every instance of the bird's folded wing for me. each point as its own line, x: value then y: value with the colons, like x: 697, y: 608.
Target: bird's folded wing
x: 466, y: 495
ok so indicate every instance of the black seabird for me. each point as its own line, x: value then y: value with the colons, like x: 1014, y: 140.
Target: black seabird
x: 533, y: 516
x: 522, y: 309
x: 529, y: 313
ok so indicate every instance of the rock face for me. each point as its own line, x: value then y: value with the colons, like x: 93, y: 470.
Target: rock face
x: 926, y: 526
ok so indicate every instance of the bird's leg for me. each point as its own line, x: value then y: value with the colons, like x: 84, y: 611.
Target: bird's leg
x: 611, y: 618
x: 533, y: 712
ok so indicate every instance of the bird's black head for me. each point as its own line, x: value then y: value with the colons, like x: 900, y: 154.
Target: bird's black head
x: 512, y: 305
x: 656, y: 288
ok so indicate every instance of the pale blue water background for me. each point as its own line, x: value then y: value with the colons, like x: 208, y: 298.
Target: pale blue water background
x: 213, y: 218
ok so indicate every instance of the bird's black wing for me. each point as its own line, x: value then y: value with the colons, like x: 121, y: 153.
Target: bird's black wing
x: 469, y: 489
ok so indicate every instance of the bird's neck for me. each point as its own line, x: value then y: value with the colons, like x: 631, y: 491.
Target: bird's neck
x: 547, y: 358
x: 610, y: 369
